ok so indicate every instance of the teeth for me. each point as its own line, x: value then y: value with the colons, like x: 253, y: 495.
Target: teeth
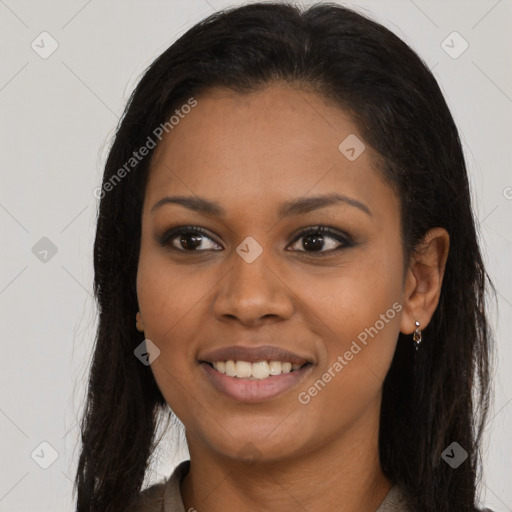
x: 260, y: 370
x: 286, y: 367
x: 243, y: 369
x: 254, y: 371
x: 229, y: 368
x: 275, y: 367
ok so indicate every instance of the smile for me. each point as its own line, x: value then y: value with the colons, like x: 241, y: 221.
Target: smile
x: 258, y: 370
x: 254, y: 382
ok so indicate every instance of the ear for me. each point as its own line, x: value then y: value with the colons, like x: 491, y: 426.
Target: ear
x: 139, y: 323
x: 424, y: 279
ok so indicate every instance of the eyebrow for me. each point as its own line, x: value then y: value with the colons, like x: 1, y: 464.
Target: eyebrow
x: 286, y: 209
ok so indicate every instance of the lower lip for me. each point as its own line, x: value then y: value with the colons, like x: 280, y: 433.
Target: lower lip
x: 245, y: 390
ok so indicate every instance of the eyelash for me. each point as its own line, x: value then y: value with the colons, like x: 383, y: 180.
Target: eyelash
x: 172, y: 233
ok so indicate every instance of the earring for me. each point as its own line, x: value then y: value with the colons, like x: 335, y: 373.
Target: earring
x: 416, y: 337
x: 139, y: 324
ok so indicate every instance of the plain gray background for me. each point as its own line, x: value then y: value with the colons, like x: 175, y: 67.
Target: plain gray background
x: 58, y: 116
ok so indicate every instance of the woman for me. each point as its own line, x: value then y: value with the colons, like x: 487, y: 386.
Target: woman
x: 286, y: 257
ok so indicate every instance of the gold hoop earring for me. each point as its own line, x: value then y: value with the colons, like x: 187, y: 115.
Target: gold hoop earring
x: 416, y: 337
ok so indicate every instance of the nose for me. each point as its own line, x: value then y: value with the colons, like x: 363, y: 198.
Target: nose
x: 253, y: 292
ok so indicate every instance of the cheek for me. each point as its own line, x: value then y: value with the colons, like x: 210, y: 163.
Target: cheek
x: 166, y: 306
x: 166, y: 293
x: 353, y: 297
x: 354, y: 365
x: 361, y: 307
x: 173, y: 300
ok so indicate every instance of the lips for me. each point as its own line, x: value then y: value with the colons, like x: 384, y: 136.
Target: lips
x: 253, y: 391
x: 253, y: 355
x: 260, y: 389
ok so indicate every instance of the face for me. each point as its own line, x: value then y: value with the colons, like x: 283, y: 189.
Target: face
x: 259, y: 273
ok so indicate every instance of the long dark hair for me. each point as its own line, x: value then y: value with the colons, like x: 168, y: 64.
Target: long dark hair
x: 432, y: 397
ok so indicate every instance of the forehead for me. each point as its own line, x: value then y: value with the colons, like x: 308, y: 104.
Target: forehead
x: 277, y: 142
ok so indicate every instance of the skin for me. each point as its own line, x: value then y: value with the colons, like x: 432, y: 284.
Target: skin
x: 250, y: 153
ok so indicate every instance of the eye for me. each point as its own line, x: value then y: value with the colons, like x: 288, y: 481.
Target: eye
x: 194, y: 239
x: 314, y: 240
x: 186, y: 239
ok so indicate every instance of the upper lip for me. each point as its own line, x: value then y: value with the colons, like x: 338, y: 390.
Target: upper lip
x: 253, y: 354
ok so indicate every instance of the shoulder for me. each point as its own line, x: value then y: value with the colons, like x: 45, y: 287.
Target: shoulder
x: 397, y: 501
x: 165, y: 495
x: 150, y: 499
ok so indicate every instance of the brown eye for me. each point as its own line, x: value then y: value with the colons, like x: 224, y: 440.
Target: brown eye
x: 187, y: 239
x: 320, y: 239
x: 316, y: 239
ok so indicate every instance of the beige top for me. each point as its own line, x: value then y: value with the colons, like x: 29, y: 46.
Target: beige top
x: 166, y: 496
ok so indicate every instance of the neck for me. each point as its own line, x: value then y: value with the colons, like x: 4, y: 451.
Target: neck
x: 342, y: 474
